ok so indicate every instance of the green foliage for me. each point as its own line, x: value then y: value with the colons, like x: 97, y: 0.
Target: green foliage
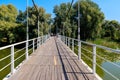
x: 6, y: 34
x: 64, y: 21
x: 111, y: 29
x: 44, y: 20
x: 8, y: 13
x: 13, y: 25
x: 91, y: 20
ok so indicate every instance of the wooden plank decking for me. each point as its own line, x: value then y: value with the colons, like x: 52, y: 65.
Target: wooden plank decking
x: 53, y: 61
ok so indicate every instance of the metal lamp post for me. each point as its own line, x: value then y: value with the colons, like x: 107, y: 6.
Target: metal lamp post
x: 27, y: 35
x: 79, y: 42
x: 38, y: 41
x: 38, y: 27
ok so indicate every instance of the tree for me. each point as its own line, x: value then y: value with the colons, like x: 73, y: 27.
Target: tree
x: 44, y: 19
x: 8, y: 14
x: 91, y: 19
x: 64, y: 20
x: 111, y: 29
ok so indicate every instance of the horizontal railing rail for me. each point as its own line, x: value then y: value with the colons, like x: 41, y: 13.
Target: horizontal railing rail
x: 99, y: 46
x: 71, y: 42
x: 35, y: 42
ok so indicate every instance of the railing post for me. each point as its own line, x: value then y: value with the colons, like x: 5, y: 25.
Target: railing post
x: 69, y: 42
x: 42, y: 39
x: 66, y: 40
x: 73, y: 45
x: 45, y: 38
x: 12, y: 59
x: 37, y: 42
x: 60, y: 37
x: 94, y: 59
x: 26, y: 49
x: 63, y: 39
x: 33, y: 45
x: 79, y: 49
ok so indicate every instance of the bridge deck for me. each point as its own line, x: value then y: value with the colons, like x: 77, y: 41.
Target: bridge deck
x: 53, y: 61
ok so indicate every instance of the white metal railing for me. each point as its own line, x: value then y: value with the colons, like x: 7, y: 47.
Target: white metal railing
x: 71, y: 42
x: 36, y: 42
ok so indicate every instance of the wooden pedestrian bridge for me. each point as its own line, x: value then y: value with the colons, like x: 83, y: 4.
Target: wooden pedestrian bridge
x: 52, y: 59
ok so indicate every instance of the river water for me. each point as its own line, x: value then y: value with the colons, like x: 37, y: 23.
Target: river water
x: 114, y: 70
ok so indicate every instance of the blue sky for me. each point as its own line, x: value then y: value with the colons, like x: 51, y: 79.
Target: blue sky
x: 109, y: 7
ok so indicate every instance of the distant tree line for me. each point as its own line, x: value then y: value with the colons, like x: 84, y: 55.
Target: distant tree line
x: 92, y: 21
x: 13, y: 23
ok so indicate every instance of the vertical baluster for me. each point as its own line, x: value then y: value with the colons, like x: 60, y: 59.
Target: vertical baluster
x: 94, y: 59
x: 73, y: 45
x: 26, y: 49
x: 79, y: 49
x: 42, y: 39
x: 69, y: 42
x: 37, y: 42
x: 12, y: 59
x: 33, y: 45
x: 66, y: 40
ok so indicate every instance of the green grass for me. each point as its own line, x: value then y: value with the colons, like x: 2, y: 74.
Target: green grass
x: 106, y: 42
x: 4, y: 53
x: 105, y: 53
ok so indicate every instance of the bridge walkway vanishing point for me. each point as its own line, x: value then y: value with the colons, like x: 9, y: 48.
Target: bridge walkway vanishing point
x: 53, y: 61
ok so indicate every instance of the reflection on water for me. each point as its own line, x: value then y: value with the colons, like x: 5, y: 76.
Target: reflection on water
x: 114, y: 70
